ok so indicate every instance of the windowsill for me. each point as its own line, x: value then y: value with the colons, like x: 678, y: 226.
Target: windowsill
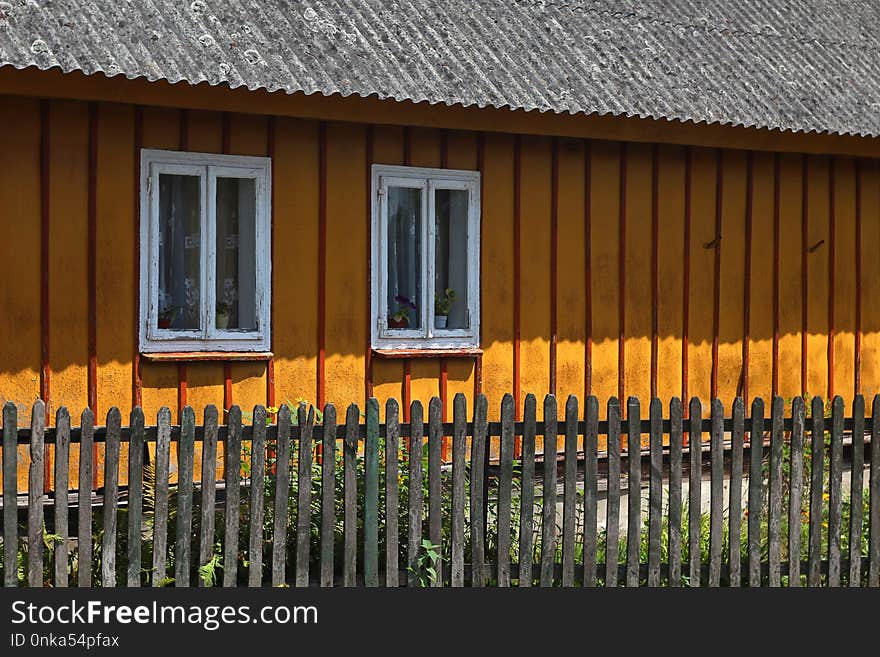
x: 427, y: 353
x: 194, y: 356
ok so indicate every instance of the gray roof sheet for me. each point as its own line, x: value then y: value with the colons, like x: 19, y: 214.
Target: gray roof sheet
x: 801, y: 65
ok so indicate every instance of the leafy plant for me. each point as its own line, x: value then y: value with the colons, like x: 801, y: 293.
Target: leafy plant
x: 443, y: 301
x: 425, y: 571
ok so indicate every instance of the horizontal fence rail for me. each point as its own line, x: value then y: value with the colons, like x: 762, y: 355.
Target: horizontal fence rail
x: 788, y: 496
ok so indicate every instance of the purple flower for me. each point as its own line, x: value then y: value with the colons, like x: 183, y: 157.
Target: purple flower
x: 404, y: 301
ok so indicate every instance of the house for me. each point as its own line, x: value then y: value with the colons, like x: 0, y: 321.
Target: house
x: 228, y: 202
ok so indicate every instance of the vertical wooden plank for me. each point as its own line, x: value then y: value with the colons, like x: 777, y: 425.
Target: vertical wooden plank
x: 282, y: 493
x: 505, y: 488
x: 435, y: 497
x: 135, y: 494
x: 10, y: 492
x: 675, y: 463
x: 209, y: 487
x: 306, y: 423
x: 795, y: 497
x: 111, y: 497
x: 570, y: 490
x: 695, y: 484
x: 478, y: 502
x: 328, y: 494
x: 548, y: 492
x: 756, y: 493
x: 258, y: 476
x: 777, y: 411
x: 232, y: 480
x: 349, y: 464
x: 392, y: 503
x: 856, y: 491
x: 36, y: 492
x: 160, y: 504
x: 459, y: 445
x: 835, y: 484
x: 415, y: 499
x: 84, y: 502
x: 527, y: 492
x: 62, y: 487
x: 185, y: 458
x: 655, y: 492
x: 612, y: 518
x: 371, y: 495
x: 734, y: 514
x: 716, y: 492
x: 817, y: 456
x: 634, y: 493
x: 591, y: 489
x: 874, y: 509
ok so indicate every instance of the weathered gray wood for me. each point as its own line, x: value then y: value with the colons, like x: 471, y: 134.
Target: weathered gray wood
x: 591, y: 489
x: 612, y: 518
x: 634, y: 493
x: 734, y: 514
x: 306, y: 422
x: 459, y: 445
x: 232, y: 479
x: 655, y: 491
x: 84, y: 511
x: 874, y: 499
x: 62, y: 486
x: 135, y: 495
x: 835, y: 484
x: 795, y: 497
x: 328, y: 494
x: 527, y: 493
x: 36, y: 495
x: 349, y: 493
x: 817, y: 456
x: 160, y: 503
x: 856, y: 491
x: 478, y: 502
x: 209, y: 488
x: 10, y: 492
x: 185, y: 467
x: 716, y: 501
x: 371, y: 495
x: 756, y: 493
x: 695, y: 484
x: 675, y: 471
x: 548, y: 492
x: 392, y: 503
x: 416, y: 498
x: 570, y: 490
x: 111, y: 497
x: 435, y: 493
x: 505, y: 488
x: 282, y: 493
x: 257, y: 477
x: 774, y: 520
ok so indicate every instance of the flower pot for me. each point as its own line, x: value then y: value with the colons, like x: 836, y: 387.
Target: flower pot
x: 440, y: 321
x: 164, y: 323
x: 222, y: 320
x: 401, y: 323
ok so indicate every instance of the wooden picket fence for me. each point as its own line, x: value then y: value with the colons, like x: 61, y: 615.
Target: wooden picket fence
x: 745, y: 545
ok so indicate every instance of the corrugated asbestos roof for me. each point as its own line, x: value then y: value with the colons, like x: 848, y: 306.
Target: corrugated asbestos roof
x: 803, y: 65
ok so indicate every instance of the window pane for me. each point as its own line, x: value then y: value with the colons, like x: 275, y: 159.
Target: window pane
x: 236, y: 254
x: 451, y: 261
x: 404, y: 257
x: 179, y: 252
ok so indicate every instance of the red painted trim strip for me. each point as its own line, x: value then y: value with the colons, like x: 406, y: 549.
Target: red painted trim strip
x: 747, y: 273
x: 481, y: 159
x: 621, y: 277
x: 45, y: 367
x: 554, y: 261
x: 92, y: 250
x: 321, y: 394
x: 775, y: 357
x: 368, y: 185
x: 517, y: 227
x: 588, y: 269
x: 716, y: 309
x: 655, y: 266
x: 857, y: 348
x: 136, y: 382
x: 182, y: 386
x: 686, y: 277
x: 270, y: 365
x: 805, y: 231
x: 832, y: 274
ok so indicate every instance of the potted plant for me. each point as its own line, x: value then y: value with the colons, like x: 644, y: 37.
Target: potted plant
x: 442, y: 302
x: 166, y: 317
x: 223, y: 311
x: 400, y: 319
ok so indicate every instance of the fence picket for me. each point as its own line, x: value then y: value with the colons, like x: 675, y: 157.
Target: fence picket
x: 135, y: 494
x: 10, y: 492
x: 160, y: 503
x: 84, y: 501
x: 774, y: 530
x: 634, y: 493
x: 756, y: 493
x: 856, y: 491
x: 282, y: 493
x: 478, y: 501
x: 675, y: 454
x: 734, y: 514
x: 591, y: 489
x: 232, y: 479
x: 695, y: 485
x: 835, y: 484
x: 185, y: 465
x: 306, y: 423
x: 874, y: 500
x: 371, y: 495
x: 209, y: 489
x: 505, y: 487
x: 716, y: 492
x: 257, y: 477
x: 36, y: 494
x: 612, y: 509
x: 459, y: 445
x: 392, y: 454
x: 111, y: 497
x: 570, y: 490
x: 527, y: 499
x: 548, y: 491
x: 795, y: 497
x: 817, y: 454
x: 415, y: 498
x: 328, y: 494
x: 655, y: 491
x: 435, y: 496
x: 349, y: 493
x: 62, y: 486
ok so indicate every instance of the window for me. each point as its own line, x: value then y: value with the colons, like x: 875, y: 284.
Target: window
x: 426, y: 258
x: 205, y: 254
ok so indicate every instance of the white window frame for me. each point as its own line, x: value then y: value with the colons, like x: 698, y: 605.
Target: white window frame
x: 207, y: 166
x: 426, y: 337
